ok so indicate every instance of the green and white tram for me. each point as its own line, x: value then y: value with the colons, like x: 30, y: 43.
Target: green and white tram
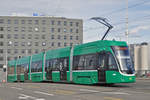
x: 95, y: 62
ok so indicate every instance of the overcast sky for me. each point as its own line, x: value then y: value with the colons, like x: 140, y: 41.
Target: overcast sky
x: 113, y: 10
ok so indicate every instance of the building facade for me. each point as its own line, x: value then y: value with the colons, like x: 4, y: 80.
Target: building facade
x: 141, y: 58
x: 24, y: 36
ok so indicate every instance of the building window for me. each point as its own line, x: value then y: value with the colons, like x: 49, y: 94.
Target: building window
x: 1, y: 28
x: 71, y: 23
x: 52, y: 44
x: 59, y: 44
x: 71, y: 30
x: 29, y: 21
x: 43, y: 44
x: 70, y: 37
x: 36, y: 51
x: 23, y: 51
x: 15, y: 36
x: 59, y: 23
x: 65, y: 23
x: 15, y: 43
x: 43, y: 29
x: 77, y: 31
x: 43, y: 36
x: 36, y: 44
x: 23, y: 43
x: 15, y: 58
x: 1, y: 50
x: 77, y: 24
x: 16, y: 29
x: 29, y: 29
x: 23, y: 36
x: 59, y: 29
x: 52, y: 30
x: 52, y: 37
x: 29, y: 51
x: 58, y: 37
x: 52, y: 22
x: 23, y: 29
x: 1, y: 21
x: 36, y: 21
x: 1, y: 36
x: 77, y: 37
x: 65, y: 30
x: 8, y: 36
x: 16, y: 22
x: 22, y: 21
x: 8, y: 29
x: 1, y: 43
x: 65, y: 44
x: 1, y: 58
x: 8, y: 58
x: 36, y: 36
x: 43, y: 22
x: 71, y: 44
x: 65, y: 37
x: 16, y: 51
x: 8, y: 51
x: 9, y: 43
x: 9, y: 21
x: 29, y: 36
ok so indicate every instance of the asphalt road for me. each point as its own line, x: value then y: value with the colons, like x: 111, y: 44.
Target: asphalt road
x: 58, y: 91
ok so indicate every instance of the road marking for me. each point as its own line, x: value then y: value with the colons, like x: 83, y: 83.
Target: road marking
x: 116, y: 93
x: 111, y: 98
x: 33, y: 86
x: 26, y: 97
x: 88, y: 90
x: 64, y: 92
x: 43, y: 93
x: 17, y: 88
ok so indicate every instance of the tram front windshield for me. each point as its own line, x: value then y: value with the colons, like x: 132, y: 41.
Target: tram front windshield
x: 123, y: 56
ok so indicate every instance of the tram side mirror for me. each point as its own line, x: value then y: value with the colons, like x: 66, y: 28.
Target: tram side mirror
x: 4, y: 68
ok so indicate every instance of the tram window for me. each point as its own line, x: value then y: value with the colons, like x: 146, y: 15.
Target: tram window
x: 111, y: 63
x: 58, y: 64
x: 55, y: 65
x: 49, y: 65
x: 90, y: 62
x: 75, y: 62
x: 85, y: 62
x: 18, y: 69
x: 36, y: 66
x: 11, y: 69
x: 25, y: 68
x: 101, y: 61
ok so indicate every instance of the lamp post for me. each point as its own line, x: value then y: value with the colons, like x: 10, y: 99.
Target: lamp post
x: 127, y: 24
x: 5, y: 66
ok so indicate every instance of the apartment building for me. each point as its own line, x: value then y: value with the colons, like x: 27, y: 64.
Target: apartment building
x: 24, y: 36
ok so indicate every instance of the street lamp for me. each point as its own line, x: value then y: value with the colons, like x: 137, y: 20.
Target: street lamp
x: 5, y: 66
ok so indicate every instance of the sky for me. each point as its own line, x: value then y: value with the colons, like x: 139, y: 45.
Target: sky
x: 114, y: 10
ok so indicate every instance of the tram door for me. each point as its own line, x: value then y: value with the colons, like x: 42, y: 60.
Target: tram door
x: 18, y: 73
x: 63, y: 74
x: 49, y: 74
x: 26, y: 72
x: 63, y: 68
x: 26, y: 75
x: 102, y: 67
